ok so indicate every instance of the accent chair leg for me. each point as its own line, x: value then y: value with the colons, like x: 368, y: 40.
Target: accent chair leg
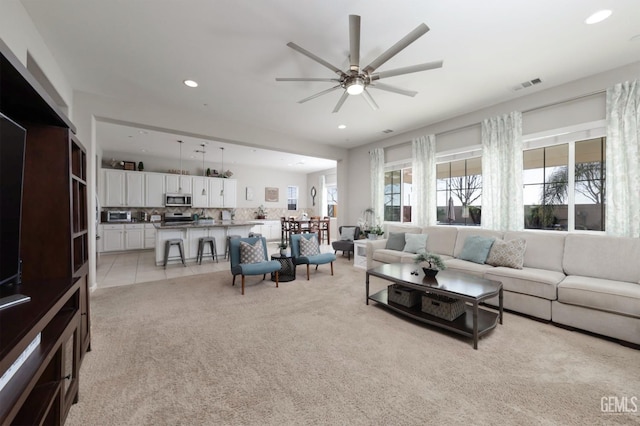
x: 307, y: 272
x: 277, y: 278
x: 243, y: 285
x: 234, y: 280
x: 331, y: 268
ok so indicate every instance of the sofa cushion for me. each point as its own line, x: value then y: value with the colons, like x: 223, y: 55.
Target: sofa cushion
x: 545, y: 249
x: 612, y: 296
x: 415, y: 243
x: 309, y: 247
x: 476, y: 248
x: 251, y: 253
x: 391, y: 256
x: 467, y: 231
x: 442, y: 239
x: 601, y: 256
x: 530, y: 281
x: 468, y: 267
x: 347, y: 233
x: 507, y: 253
x: 395, y: 241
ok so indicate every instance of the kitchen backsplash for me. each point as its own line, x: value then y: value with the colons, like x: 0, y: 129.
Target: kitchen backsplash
x: 239, y: 214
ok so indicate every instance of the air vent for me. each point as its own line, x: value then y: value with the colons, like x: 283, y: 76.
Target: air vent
x: 529, y: 83
x: 387, y: 131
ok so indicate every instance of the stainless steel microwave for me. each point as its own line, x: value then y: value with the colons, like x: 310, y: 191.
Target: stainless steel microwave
x: 116, y: 216
x: 177, y: 200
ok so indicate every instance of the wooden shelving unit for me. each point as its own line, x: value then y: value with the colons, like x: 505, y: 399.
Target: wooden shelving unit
x: 54, y: 252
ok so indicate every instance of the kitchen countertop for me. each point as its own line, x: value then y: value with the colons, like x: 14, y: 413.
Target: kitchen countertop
x: 217, y: 224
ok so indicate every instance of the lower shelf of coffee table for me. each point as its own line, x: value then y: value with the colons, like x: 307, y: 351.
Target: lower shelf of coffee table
x: 487, y: 320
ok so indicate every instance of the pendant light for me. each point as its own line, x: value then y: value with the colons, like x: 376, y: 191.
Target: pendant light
x: 203, y: 151
x: 180, y: 177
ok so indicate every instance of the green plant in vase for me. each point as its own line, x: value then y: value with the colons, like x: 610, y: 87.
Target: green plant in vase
x: 434, y: 261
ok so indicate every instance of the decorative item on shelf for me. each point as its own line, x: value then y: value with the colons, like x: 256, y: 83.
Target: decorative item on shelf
x: 129, y: 165
x: 433, y: 260
x: 208, y: 171
x: 140, y: 166
x: 261, y: 214
x: 365, y: 222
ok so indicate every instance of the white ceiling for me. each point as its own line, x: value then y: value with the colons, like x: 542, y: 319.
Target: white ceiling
x: 144, y: 49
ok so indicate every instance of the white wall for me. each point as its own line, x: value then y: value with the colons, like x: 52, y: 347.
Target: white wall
x: 577, y: 102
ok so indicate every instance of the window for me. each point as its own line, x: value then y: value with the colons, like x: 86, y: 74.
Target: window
x: 397, y: 195
x: 292, y: 198
x: 459, y: 192
x: 549, y: 174
x: 332, y: 201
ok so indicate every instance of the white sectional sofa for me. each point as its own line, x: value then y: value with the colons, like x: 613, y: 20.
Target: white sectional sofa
x: 589, y: 282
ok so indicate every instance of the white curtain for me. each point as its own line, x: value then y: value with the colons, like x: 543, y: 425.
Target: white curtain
x: 424, y: 209
x: 322, y: 199
x: 376, y: 162
x: 502, y: 207
x: 623, y: 160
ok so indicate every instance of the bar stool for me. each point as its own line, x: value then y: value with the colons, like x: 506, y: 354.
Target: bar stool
x: 226, y: 248
x: 167, y: 248
x: 202, y: 241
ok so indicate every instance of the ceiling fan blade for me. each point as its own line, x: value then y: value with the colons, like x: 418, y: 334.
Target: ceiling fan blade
x: 354, y: 42
x: 335, y: 80
x: 315, y: 58
x: 382, y: 86
x: 407, y: 70
x: 367, y: 97
x: 396, y: 48
x: 343, y: 98
x: 324, y: 92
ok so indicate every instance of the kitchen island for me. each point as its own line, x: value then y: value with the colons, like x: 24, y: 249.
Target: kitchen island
x: 191, y: 232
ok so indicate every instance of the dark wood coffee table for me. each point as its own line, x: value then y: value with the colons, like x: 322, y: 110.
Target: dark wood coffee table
x: 475, y: 322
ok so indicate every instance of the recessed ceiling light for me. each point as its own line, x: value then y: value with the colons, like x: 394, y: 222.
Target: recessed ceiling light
x: 342, y: 126
x: 599, y: 16
x: 635, y: 38
x: 190, y: 83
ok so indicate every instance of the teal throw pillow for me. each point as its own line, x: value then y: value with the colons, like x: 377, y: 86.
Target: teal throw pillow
x: 476, y: 249
x: 415, y: 243
x: 395, y: 241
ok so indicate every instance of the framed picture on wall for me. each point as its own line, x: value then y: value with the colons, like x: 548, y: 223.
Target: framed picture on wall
x: 249, y: 193
x: 271, y: 194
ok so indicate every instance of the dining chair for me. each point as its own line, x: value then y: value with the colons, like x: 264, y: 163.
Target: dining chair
x: 284, y: 228
x: 249, y: 256
x: 305, y: 250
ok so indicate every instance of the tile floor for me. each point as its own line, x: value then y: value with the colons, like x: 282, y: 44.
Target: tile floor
x: 139, y: 266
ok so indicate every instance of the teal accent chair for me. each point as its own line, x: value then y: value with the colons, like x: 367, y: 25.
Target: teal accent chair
x: 318, y: 259
x: 262, y: 268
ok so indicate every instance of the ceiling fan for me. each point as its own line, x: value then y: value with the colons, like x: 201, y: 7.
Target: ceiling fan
x: 356, y: 80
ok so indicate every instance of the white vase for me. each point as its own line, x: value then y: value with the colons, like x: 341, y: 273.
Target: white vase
x: 373, y: 236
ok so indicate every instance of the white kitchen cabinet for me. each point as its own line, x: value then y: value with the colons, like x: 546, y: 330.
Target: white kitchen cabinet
x: 270, y: 229
x: 133, y: 236
x: 149, y: 236
x: 198, y: 200
x: 178, y: 184
x: 223, y: 193
x: 154, y: 189
x: 112, y: 237
x: 135, y: 189
x: 114, y: 188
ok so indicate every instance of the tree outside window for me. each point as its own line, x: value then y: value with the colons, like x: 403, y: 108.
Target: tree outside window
x: 292, y: 198
x: 459, y: 182
x: 332, y: 201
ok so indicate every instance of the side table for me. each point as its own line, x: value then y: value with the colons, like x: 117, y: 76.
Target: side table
x: 360, y: 254
x: 287, y: 270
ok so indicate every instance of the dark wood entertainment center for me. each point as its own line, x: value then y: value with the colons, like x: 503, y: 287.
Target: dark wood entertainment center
x: 54, y: 251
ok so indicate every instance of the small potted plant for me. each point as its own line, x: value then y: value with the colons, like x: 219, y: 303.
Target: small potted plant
x: 434, y: 261
x: 375, y: 232
x: 260, y: 214
x: 282, y: 245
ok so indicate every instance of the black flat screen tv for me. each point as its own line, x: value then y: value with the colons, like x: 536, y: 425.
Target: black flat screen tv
x: 12, y: 148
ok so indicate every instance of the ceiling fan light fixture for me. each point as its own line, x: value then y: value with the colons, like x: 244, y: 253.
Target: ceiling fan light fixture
x: 355, y: 87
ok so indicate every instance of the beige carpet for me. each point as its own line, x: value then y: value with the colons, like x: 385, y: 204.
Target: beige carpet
x: 193, y: 351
